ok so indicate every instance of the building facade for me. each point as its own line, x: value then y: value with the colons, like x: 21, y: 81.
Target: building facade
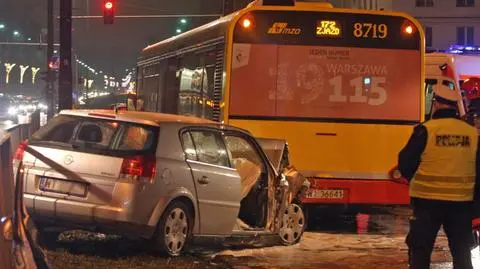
x: 446, y: 22
x: 363, y: 4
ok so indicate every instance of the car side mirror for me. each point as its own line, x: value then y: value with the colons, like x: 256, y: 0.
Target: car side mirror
x: 6, y: 229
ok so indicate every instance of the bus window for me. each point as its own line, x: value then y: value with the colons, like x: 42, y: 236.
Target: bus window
x: 196, y: 74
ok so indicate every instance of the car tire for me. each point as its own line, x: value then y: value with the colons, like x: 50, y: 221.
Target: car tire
x: 174, y: 229
x: 293, y: 225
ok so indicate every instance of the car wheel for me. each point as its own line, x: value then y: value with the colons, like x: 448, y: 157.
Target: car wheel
x: 293, y: 225
x: 174, y: 229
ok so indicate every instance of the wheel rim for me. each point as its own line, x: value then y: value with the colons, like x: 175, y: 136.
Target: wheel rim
x: 176, y: 230
x: 293, y: 224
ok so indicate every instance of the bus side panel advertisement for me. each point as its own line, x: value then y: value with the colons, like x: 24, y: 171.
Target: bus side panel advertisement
x: 296, y: 81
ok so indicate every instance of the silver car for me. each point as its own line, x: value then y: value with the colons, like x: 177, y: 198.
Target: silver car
x: 166, y: 177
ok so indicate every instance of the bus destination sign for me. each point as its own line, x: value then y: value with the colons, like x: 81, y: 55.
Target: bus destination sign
x: 367, y: 30
x: 329, y: 28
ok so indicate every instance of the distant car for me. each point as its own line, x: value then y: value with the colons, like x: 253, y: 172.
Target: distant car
x: 166, y: 177
x: 7, y: 111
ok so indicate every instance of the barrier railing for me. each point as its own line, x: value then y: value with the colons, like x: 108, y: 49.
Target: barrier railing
x: 21, y: 132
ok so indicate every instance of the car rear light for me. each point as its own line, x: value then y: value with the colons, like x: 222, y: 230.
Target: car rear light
x: 20, y: 152
x: 139, y: 168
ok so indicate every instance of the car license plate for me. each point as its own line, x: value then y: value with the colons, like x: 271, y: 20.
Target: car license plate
x: 325, y: 194
x: 63, y: 186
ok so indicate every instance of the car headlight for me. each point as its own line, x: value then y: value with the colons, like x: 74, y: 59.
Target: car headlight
x: 12, y: 111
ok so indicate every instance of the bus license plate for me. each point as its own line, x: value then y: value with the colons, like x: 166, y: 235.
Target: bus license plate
x: 325, y: 194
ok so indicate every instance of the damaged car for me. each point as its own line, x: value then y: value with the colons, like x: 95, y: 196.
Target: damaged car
x: 165, y: 177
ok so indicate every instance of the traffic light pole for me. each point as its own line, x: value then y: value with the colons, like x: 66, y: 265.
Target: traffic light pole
x: 65, y: 82
x: 50, y: 75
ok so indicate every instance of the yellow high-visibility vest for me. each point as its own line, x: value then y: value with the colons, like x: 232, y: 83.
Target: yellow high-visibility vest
x: 447, y: 168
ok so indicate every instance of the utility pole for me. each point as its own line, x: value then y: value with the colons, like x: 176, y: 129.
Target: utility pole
x: 65, y: 83
x: 50, y: 74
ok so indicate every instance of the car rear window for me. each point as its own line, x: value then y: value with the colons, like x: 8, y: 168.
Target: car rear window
x: 108, y: 137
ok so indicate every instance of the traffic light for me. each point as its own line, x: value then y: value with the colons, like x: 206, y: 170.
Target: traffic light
x: 108, y: 11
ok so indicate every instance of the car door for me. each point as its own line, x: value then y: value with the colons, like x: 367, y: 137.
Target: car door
x: 256, y: 177
x: 217, y: 184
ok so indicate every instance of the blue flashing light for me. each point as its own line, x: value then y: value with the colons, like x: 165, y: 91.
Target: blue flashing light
x: 460, y: 49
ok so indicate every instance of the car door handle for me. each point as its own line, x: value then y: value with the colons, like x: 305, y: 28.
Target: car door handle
x: 204, y: 180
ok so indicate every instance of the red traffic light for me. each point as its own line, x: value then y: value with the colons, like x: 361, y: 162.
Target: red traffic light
x: 108, y: 11
x: 108, y: 5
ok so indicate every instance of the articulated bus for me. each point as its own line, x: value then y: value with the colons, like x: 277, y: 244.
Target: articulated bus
x: 344, y: 87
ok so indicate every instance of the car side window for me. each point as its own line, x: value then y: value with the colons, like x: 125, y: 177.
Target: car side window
x: 243, y: 151
x: 61, y: 130
x: 136, y: 138
x: 96, y: 134
x: 189, y: 147
x: 210, y: 147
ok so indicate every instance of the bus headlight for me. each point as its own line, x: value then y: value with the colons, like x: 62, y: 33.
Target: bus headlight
x: 247, y: 22
x: 408, y: 28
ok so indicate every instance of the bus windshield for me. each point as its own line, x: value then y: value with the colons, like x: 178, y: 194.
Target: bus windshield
x: 326, y: 66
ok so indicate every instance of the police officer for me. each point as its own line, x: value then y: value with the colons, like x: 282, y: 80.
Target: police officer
x: 439, y: 161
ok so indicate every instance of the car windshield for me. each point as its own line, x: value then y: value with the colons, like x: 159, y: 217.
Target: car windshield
x: 96, y: 135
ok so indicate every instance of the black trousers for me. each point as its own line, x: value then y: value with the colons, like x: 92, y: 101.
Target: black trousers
x: 425, y: 223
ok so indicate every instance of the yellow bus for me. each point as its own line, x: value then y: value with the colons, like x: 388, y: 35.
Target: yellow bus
x: 344, y: 87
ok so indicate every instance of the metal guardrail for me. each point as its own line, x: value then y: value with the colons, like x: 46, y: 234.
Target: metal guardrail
x: 21, y: 132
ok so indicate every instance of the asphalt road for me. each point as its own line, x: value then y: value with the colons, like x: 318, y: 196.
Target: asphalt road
x: 378, y: 242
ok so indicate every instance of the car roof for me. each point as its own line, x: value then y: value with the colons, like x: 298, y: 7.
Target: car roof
x: 149, y: 118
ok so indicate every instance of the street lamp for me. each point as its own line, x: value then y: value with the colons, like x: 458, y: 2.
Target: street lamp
x: 179, y: 31
x: 2, y: 26
x: 29, y: 39
x: 183, y: 21
x: 16, y: 33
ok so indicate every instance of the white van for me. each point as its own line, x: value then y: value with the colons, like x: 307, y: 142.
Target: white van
x: 450, y: 70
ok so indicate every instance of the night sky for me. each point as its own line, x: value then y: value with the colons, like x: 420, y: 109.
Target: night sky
x: 110, y: 48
